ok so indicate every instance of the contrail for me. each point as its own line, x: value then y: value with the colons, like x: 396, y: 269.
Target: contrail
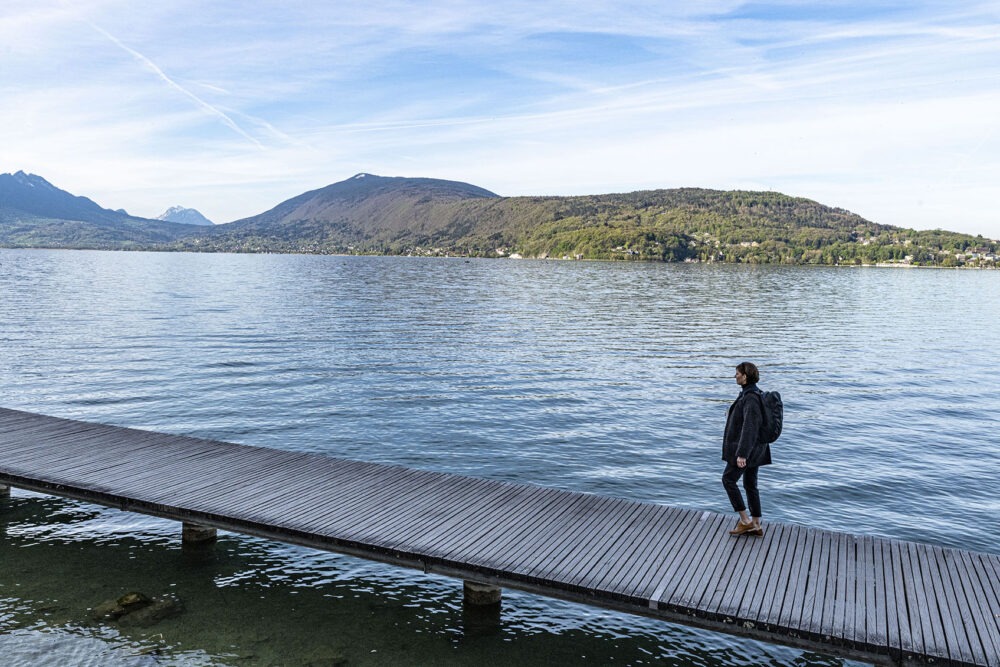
x: 212, y: 111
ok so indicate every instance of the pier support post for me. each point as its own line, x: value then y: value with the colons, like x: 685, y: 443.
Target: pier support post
x: 4, y: 491
x: 193, y: 534
x: 481, y: 595
x: 481, y: 611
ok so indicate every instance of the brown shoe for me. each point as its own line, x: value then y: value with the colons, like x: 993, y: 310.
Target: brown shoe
x: 756, y: 532
x: 742, y: 528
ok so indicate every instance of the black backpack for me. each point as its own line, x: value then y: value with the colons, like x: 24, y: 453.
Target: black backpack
x: 773, y: 411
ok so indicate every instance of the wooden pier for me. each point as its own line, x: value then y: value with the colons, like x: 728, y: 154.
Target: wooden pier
x: 875, y: 599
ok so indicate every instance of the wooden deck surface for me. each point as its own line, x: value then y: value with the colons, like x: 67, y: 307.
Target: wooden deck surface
x: 832, y: 592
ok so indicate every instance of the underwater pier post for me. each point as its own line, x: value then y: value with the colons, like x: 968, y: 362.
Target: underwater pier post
x: 479, y: 594
x: 480, y: 609
x: 193, y: 534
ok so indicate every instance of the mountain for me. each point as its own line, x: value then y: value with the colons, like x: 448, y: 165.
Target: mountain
x: 364, y: 205
x: 33, y: 195
x: 375, y: 213
x: 424, y: 216
x: 185, y: 216
x: 35, y: 213
x: 378, y: 215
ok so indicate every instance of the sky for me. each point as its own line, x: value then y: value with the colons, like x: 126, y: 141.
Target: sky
x: 889, y: 109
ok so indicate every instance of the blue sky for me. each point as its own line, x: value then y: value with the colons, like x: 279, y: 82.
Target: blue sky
x: 888, y: 109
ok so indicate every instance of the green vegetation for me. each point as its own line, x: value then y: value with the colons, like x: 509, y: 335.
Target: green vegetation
x: 658, y: 225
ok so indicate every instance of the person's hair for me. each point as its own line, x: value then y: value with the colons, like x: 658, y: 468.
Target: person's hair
x: 748, y: 369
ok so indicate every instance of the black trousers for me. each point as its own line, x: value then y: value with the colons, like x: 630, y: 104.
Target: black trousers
x: 732, y: 475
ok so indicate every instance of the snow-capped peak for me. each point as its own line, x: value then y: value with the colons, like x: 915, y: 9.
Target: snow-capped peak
x: 187, y: 216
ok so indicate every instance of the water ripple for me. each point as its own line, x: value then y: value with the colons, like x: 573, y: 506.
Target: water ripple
x: 596, y: 377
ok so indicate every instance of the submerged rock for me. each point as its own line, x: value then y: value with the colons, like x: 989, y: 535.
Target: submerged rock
x: 324, y: 657
x: 138, y: 610
x: 112, y: 610
x: 158, y: 609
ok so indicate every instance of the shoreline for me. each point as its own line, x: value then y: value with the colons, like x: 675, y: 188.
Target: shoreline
x: 879, y: 265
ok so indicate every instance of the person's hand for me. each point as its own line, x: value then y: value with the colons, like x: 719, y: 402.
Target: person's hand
x: 741, y: 462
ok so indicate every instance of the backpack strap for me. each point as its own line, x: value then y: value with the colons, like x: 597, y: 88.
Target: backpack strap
x: 763, y: 410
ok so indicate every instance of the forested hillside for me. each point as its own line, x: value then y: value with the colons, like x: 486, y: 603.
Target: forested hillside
x: 663, y: 225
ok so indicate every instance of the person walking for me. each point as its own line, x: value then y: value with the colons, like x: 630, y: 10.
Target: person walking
x: 744, y: 451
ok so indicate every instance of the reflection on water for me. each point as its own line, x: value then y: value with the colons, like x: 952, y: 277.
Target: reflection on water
x: 595, y: 377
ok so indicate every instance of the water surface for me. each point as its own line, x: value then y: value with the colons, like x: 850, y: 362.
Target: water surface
x: 611, y: 378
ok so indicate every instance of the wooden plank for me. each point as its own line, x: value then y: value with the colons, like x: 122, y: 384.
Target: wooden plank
x: 792, y: 603
x: 880, y: 599
x: 335, y: 485
x: 263, y: 496
x: 532, y: 527
x: 816, y: 595
x: 645, y: 552
x: 866, y: 619
x: 618, y: 549
x: 253, y: 490
x: 22, y: 448
x: 897, y: 637
x: 810, y: 599
x: 668, y: 576
x: 624, y: 554
x: 489, y: 551
x: 736, y: 580
x: 520, y: 501
x: 35, y: 431
x: 784, y: 604
x: 968, y: 597
x: 846, y: 588
x: 913, y: 594
x: 509, y: 503
x: 62, y: 451
x: 926, y: 605
x: 83, y: 472
x: 576, y: 568
x: 642, y: 583
x: 759, y: 606
x: 447, y: 513
x: 832, y: 587
x: 688, y: 572
x: 348, y: 512
x: 279, y: 505
x: 168, y: 467
x: 987, y: 585
x: 784, y: 582
x: 379, y: 509
x: 959, y: 641
x: 431, y: 514
x: 714, y: 551
x: 654, y: 580
x: 505, y: 538
x: 260, y: 481
x: 118, y: 465
x: 541, y: 554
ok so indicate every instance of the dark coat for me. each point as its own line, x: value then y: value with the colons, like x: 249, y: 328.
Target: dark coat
x: 742, y: 436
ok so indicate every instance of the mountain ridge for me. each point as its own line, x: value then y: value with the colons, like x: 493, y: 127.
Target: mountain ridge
x: 36, y: 213
x: 424, y: 216
x: 360, y: 190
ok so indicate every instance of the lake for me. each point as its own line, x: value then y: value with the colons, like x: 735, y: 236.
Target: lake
x: 611, y: 378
